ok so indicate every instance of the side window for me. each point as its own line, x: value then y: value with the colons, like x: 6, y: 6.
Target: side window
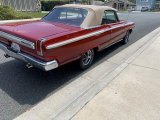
x: 109, y: 17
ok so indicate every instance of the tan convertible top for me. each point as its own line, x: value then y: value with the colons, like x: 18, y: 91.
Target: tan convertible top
x: 95, y: 13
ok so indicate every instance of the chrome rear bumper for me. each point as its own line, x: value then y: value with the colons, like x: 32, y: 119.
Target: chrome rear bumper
x: 46, y: 66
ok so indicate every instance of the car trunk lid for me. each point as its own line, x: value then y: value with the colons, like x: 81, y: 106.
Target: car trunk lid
x: 32, y: 31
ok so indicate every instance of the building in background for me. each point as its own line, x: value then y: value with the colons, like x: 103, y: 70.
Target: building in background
x: 157, y: 5
x: 22, y: 5
x: 145, y: 4
x: 120, y: 4
x: 96, y: 2
x: 117, y: 4
x: 81, y: 1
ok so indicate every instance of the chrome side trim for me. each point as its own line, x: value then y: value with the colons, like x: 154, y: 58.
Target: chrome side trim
x: 74, y: 39
x: 92, y: 27
x: 17, y: 40
x: 81, y: 37
x: 46, y: 66
x: 110, y: 45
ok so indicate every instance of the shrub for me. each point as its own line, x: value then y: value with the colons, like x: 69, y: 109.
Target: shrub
x: 49, y: 5
x: 7, y: 13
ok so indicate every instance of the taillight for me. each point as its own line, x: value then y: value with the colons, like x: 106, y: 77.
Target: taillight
x: 40, y: 46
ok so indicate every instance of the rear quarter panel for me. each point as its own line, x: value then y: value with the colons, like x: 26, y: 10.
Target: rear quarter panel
x: 74, y: 50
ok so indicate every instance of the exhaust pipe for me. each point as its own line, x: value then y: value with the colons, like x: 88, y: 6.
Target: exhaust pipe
x: 28, y: 65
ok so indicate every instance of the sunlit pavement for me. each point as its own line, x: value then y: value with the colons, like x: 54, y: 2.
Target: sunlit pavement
x: 134, y: 93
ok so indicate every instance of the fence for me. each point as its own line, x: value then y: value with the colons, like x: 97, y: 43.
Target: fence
x: 22, y: 5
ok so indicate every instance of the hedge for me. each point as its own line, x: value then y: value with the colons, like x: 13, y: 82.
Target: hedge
x: 7, y: 13
x: 49, y: 5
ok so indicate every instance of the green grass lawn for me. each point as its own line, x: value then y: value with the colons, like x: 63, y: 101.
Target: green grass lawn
x: 32, y: 14
x: 7, y: 13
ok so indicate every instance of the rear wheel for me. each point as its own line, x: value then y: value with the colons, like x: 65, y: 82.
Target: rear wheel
x: 87, y: 59
x: 126, y: 38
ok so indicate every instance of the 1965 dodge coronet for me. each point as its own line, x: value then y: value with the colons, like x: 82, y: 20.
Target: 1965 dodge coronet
x: 67, y: 33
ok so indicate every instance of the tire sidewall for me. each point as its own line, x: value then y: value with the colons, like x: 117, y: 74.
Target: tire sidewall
x: 126, y: 38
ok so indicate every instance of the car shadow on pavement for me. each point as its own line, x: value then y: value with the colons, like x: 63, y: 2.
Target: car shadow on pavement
x: 30, y: 86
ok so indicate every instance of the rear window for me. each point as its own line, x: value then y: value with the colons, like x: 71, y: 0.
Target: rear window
x: 72, y: 16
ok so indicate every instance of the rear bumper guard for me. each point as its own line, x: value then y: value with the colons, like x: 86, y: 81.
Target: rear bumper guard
x: 46, y: 66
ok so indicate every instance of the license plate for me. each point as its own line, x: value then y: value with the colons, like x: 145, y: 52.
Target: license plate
x: 15, y: 47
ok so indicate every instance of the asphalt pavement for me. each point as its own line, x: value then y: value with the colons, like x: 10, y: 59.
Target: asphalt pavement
x: 22, y: 88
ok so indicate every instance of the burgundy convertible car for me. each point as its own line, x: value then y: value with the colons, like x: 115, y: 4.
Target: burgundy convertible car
x: 67, y: 33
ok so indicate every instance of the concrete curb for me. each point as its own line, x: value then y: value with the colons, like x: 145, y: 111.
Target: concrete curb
x: 64, y: 104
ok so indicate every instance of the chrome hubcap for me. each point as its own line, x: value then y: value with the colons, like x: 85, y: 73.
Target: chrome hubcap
x: 127, y: 37
x: 87, y: 57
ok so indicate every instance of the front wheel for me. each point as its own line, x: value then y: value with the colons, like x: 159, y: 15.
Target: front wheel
x: 86, y: 59
x: 126, y: 38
